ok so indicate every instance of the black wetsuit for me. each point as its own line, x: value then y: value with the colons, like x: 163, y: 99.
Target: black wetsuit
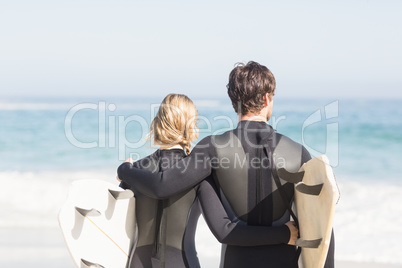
x: 166, y: 227
x: 241, y: 162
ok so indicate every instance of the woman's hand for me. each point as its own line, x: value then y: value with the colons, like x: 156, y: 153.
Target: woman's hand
x: 294, y: 232
x: 129, y: 160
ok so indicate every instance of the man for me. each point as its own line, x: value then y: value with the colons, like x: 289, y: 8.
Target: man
x: 243, y: 163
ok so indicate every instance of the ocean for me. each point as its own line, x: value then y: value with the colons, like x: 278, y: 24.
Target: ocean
x: 46, y: 143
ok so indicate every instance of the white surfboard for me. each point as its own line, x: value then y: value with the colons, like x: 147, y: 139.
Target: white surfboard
x: 98, y: 224
x: 316, y: 194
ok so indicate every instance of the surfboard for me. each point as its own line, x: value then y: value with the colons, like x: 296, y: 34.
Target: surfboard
x: 98, y: 224
x: 316, y: 194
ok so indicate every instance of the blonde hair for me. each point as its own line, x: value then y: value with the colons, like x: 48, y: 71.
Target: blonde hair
x: 175, y: 122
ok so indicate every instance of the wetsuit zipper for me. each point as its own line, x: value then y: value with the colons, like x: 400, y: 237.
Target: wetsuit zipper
x: 259, y: 179
x: 160, y: 227
x: 158, y: 220
x: 259, y: 187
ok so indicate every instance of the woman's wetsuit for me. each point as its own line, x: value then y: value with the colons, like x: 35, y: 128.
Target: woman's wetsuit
x: 166, y: 227
x: 242, y: 162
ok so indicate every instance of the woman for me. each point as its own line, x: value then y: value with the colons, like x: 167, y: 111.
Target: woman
x: 166, y: 228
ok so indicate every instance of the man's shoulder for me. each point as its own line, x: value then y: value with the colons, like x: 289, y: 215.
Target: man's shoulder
x: 284, y: 140
x: 211, y: 139
x: 209, y: 143
x: 226, y: 139
x: 289, y: 153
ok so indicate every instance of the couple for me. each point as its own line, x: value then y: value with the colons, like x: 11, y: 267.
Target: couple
x: 230, y: 178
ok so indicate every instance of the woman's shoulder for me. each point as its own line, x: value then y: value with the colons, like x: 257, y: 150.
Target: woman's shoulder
x: 168, y: 158
x: 149, y: 162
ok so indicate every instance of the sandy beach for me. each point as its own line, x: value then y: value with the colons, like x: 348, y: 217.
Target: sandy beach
x: 44, y: 247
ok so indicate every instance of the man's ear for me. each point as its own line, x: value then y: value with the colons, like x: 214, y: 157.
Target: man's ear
x: 267, y: 100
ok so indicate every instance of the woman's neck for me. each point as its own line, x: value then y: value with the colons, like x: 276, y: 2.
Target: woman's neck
x: 169, y: 147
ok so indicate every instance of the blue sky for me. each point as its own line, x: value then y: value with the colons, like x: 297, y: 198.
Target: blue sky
x: 136, y: 48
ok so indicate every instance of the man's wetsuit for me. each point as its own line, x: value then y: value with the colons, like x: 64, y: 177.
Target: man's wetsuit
x: 166, y: 228
x: 241, y: 162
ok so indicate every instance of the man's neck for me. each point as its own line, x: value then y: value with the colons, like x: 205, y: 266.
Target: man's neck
x: 252, y: 117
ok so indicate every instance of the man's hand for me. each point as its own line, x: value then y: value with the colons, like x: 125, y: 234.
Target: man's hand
x: 294, y: 232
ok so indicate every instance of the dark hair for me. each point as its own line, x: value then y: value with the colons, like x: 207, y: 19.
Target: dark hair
x: 247, y: 86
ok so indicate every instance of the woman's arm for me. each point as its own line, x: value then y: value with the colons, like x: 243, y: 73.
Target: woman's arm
x: 183, y: 175
x: 238, y: 233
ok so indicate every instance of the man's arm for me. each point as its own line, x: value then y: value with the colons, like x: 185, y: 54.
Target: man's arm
x: 183, y: 175
x: 238, y: 233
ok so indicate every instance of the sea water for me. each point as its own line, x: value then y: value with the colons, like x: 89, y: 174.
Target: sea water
x: 45, y: 144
